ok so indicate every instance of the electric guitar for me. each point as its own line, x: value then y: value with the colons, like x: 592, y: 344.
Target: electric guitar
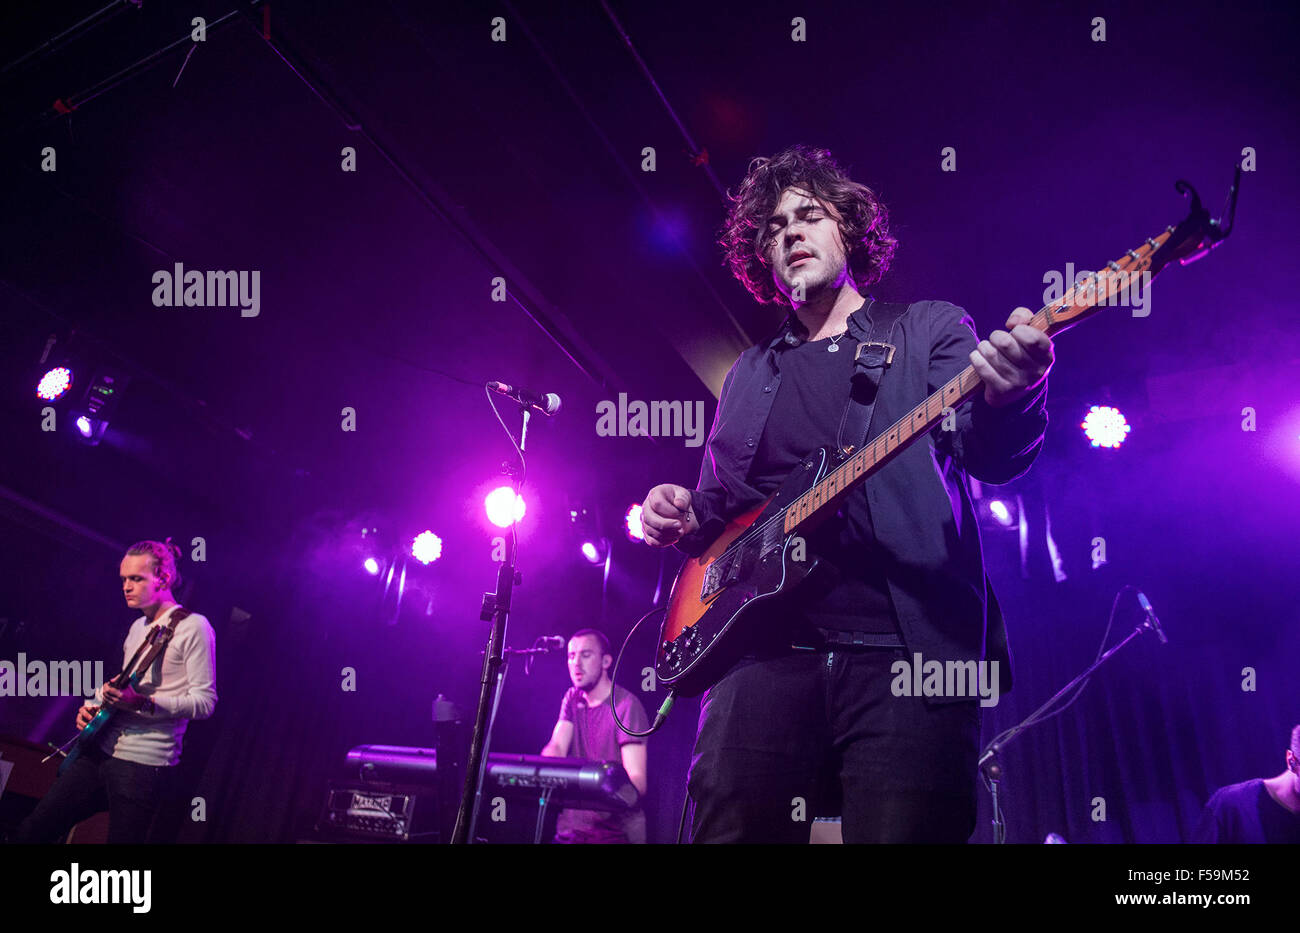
x: 153, y: 645
x: 720, y: 595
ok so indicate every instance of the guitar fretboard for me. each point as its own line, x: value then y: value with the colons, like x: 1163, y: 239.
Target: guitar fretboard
x: 1076, y: 304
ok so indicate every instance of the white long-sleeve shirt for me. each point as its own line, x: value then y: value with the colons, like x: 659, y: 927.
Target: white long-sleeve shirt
x: 182, y: 683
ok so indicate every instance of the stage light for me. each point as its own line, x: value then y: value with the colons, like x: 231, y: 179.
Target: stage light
x: 595, y: 551
x: 97, y: 403
x: 54, y: 384
x: 90, y: 430
x: 999, y: 514
x: 372, y: 566
x: 1105, y: 426
x: 635, y: 531
x: 501, y: 503
x: 426, y: 548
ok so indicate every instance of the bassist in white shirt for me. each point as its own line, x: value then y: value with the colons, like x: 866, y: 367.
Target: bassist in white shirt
x: 130, y: 769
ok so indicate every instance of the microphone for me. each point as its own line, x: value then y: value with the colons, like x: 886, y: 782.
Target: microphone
x: 1151, y: 617
x: 547, y: 404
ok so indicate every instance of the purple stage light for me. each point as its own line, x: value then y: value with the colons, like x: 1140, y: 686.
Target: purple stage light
x: 499, y: 504
x: 372, y: 566
x: 1105, y: 426
x: 596, y: 550
x: 1000, y: 511
x: 634, y: 530
x: 54, y: 384
x: 85, y: 426
x: 427, y: 547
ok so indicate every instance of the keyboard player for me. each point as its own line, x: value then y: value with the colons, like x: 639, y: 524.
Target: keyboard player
x: 586, y: 729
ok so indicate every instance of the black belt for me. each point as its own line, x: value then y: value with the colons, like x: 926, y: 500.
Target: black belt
x: 829, y: 637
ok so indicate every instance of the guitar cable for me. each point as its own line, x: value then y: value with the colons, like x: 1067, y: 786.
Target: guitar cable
x: 662, y: 715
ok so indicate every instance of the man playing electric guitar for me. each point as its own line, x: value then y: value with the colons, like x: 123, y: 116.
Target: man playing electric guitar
x: 806, y: 724
x: 130, y: 770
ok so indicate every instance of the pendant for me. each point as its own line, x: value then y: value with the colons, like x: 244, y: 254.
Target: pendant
x: 833, y: 348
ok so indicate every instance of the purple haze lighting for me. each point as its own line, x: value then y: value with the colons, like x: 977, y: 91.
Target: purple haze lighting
x: 1105, y: 426
x: 85, y: 427
x: 1000, y: 511
x: 372, y: 566
x: 498, y: 504
x: 590, y: 552
x: 54, y: 384
x: 634, y: 530
x: 427, y: 547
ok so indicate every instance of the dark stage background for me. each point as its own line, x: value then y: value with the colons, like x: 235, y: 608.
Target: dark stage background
x: 523, y: 159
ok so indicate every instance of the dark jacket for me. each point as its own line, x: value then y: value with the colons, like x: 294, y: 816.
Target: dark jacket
x: 920, y: 504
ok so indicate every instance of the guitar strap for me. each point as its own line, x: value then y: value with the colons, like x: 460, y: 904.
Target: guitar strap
x: 156, y: 645
x: 874, y: 355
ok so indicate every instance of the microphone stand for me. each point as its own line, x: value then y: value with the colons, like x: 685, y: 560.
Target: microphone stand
x: 495, y: 609
x: 988, y: 763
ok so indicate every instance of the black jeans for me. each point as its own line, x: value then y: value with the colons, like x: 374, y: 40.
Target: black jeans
x: 131, y: 793
x: 817, y: 733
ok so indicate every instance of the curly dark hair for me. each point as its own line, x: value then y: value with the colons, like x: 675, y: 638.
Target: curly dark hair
x: 864, y: 220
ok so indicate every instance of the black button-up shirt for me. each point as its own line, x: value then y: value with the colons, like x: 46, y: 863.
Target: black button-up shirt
x: 920, y: 503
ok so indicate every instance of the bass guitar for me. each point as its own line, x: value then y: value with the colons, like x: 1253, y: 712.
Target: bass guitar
x: 153, y: 645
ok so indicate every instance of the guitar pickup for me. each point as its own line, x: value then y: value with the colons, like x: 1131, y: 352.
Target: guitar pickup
x: 711, y: 582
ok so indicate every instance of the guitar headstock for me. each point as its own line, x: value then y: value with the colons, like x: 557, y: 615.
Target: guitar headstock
x: 1198, y: 233
x: 1189, y: 241
x: 1130, y: 273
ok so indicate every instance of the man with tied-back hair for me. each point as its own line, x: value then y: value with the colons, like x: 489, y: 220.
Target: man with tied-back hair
x: 808, y: 714
x: 130, y: 771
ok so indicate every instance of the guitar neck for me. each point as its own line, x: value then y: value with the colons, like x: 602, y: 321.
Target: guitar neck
x: 1081, y: 301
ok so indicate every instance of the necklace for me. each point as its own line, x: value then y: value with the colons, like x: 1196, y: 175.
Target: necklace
x: 835, y: 341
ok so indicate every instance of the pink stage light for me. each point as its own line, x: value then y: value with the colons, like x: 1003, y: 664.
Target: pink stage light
x: 1105, y: 426
x: 426, y: 548
x: 634, y: 530
x: 501, y: 503
x: 54, y: 384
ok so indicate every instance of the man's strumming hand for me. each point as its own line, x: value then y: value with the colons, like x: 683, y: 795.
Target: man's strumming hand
x: 666, y: 515
x: 1013, y: 362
